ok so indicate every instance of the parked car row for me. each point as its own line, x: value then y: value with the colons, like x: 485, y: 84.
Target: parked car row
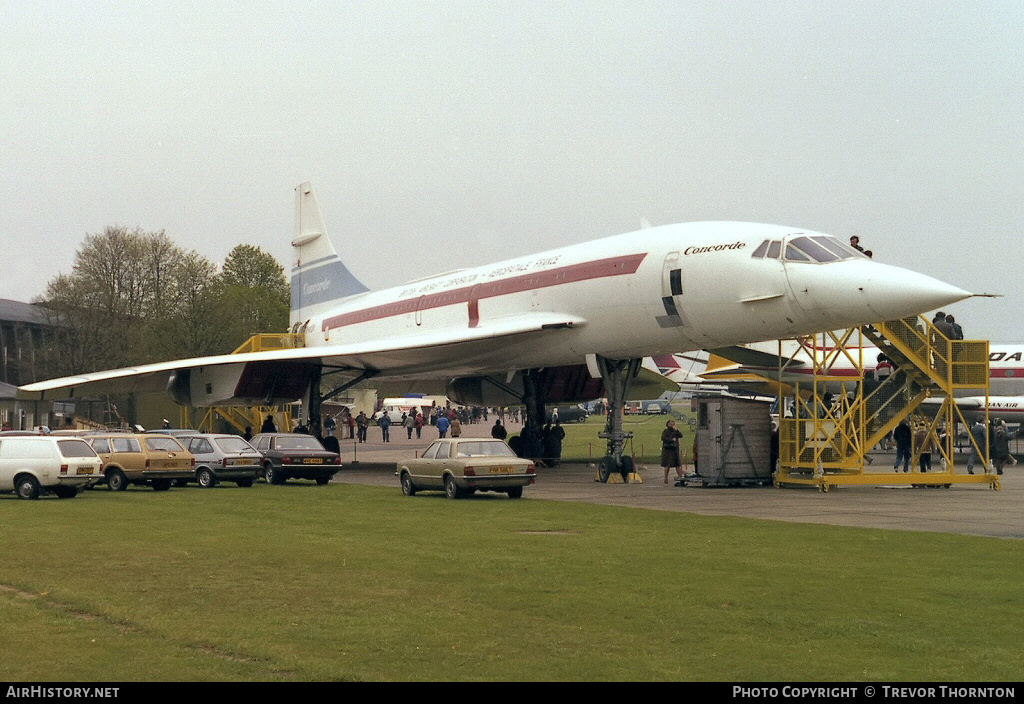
x: 64, y: 462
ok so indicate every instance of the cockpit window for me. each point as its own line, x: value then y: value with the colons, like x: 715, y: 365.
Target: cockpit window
x: 812, y: 249
x: 795, y: 255
x: 819, y: 248
x: 768, y: 248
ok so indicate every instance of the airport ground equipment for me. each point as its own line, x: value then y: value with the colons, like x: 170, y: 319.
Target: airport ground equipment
x: 241, y: 417
x: 825, y: 443
x: 733, y: 442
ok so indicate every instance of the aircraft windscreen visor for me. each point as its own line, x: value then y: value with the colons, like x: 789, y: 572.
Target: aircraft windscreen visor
x: 819, y: 248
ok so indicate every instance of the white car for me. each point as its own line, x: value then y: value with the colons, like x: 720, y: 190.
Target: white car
x: 36, y: 464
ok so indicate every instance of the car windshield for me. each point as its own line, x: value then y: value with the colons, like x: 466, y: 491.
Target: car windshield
x: 304, y: 442
x: 484, y: 449
x: 233, y: 445
x: 165, y: 444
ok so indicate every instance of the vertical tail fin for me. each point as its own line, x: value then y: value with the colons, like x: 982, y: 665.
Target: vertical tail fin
x: 318, y: 276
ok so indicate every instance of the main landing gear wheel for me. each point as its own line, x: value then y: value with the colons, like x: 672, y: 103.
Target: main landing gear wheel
x: 626, y: 467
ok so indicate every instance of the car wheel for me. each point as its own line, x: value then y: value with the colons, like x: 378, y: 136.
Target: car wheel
x: 272, y: 475
x: 27, y: 487
x: 205, y: 478
x: 116, y: 480
x: 161, y: 484
x: 408, y: 488
x: 181, y: 482
x: 451, y: 489
x: 322, y: 480
x: 515, y: 492
x: 244, y: 483
x: 65, y: 492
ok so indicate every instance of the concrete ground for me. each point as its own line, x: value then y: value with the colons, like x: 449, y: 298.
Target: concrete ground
x: 972, y: 509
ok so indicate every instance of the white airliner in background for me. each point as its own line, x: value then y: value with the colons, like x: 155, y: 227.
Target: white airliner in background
x: 551, y: 326
x: 740, y: 367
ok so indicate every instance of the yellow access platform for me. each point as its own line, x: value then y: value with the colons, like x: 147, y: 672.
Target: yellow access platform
x: 840, y: 413
x: 241, y: 417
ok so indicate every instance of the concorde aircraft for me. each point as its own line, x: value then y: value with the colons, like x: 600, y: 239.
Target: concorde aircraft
x: 567, y: 324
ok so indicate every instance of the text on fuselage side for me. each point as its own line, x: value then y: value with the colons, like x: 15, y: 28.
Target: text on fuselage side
x: 467, y: 279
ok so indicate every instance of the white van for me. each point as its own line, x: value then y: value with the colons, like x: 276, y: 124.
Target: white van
x: 35, y: 464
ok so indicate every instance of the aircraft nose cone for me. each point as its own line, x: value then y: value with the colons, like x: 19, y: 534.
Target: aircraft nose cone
x: 892, y: 292
x: 861, y: 292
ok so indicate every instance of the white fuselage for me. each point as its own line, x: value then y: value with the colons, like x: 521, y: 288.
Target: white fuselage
x: 656, y: 291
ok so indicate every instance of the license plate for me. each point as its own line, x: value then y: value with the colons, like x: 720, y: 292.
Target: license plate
x: 502, y: 470
x: 83, y: 470
x: 313, y: 460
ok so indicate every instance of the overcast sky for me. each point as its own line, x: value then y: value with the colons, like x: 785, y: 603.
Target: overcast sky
x: 443, y: 134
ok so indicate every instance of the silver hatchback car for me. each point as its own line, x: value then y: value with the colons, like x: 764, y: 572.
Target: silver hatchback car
x: 222, y: 457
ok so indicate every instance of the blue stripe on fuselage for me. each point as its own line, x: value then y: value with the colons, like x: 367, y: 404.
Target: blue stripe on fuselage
x: 322, y: 281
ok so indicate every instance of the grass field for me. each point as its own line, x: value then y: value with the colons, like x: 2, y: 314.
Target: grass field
x: 582, y: 443
x: 348, y: 582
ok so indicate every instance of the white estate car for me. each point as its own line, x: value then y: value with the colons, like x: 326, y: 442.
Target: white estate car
x: 37, y: 464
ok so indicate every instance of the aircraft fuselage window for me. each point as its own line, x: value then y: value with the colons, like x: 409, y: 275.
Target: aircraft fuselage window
x: 761, y: 249
x: 675, y: 278
x: 774, y: 249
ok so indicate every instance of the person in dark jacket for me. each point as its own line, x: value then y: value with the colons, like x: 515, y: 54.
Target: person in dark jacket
x: 670, y: 437
x: 904, y: 439
x: 498, y: 431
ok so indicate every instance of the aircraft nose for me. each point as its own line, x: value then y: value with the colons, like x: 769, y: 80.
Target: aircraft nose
x: 892, y: 292
x: 860, y: 292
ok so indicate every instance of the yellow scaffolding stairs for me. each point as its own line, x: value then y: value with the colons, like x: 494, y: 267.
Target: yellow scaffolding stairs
x: 826, y: 444
x: 242, y: 417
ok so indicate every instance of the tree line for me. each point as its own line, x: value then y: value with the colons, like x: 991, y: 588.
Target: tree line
x: 135, y: 297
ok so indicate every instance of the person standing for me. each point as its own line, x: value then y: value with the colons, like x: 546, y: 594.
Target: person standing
x: 670, y: 438
x: 409, y: 423
x: 385, y: 426
x: 555, y: 438
x: 418, y: 425
x: 1000, y: 446
x: 903, y: 437
x: 362, y: 424
x: 442, y: 425
x: 958, y: 332
x: 924, y: 444
x: 979, y: 442
x: 498, y: 430
x: 456, y: 426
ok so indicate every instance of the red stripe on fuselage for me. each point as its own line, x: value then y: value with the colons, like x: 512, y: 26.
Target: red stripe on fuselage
x: 613, y: 266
